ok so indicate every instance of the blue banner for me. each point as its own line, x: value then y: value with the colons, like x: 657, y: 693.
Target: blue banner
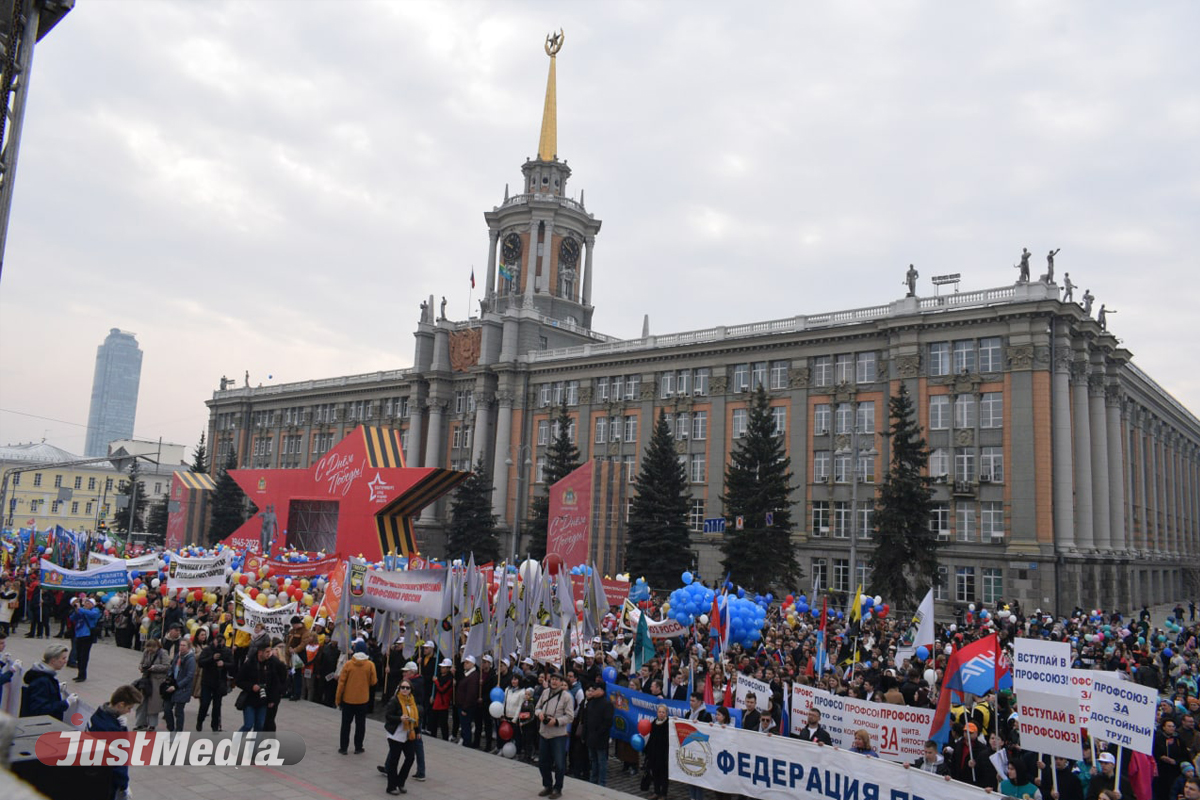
x: 98, y: 579
x: 629, y: 707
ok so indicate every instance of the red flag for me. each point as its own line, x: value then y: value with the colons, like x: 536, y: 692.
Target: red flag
x: 708, y: 689
x: 714, y: 622
x: 472, y: 277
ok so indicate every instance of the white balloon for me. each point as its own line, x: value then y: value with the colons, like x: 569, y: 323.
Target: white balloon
x: 509, y: 750
x: 496, y: 709
x: 878, y: 599
x: 154, y: 583
x: 931, y: 676
x: 704, y: 619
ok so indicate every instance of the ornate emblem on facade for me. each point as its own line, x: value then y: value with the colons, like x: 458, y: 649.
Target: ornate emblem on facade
x: 799, y: 378
x: 964, y: 437
x: 908, y: 366
x: 719, y: 384
x: 1020, y: 356
x: 464, y: 349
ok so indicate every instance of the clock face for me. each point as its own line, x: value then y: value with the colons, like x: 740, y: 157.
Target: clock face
x: 568, y: 253
x: 512, y: 248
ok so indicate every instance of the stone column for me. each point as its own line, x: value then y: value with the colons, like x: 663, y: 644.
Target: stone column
x: 1100, y: 485
x: 531, y: 263
x: 493, y: 237
x: 548, y: 240
x: 483, y: 404
x: 1083, y: 459
x: 433, y: 452
x: 589, y: 244
x: 1140, y: 436
x: 1159, y: 542
x: 1060, y: 420
x: 1116, y: 470
x: 1171, y: 482
x: 416, y: 419
x: 503, y: 446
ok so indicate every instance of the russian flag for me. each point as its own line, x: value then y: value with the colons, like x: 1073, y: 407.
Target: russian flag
x: 976, y: 669
x: 472, y: 277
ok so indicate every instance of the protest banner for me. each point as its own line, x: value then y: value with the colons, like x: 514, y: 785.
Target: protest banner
x: 746, y: 685
x: 96, y: 579
x: 304, y: 569
x: 1122, y: 712
x: 630, y: 707
x: 334, y: 589
x: 1041, y: 666
x: 207, y: 572
x: 737, y: 762
x: 1049, y: 723
x: 898, y: 733
x: 247, y: 613
x: 414, y: 593
x: 1081, y: 683
x: 615, y: 591
x: 146, y: 563
x: 666, y: 629
x: 546, y: 645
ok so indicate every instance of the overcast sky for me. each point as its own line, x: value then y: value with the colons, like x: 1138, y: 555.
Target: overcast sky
x: 275, y: 186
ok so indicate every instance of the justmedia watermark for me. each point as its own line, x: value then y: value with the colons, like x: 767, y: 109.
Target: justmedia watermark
x: 155, y: 749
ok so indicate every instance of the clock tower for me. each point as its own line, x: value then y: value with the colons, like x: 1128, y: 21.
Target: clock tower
x: 541, y: 240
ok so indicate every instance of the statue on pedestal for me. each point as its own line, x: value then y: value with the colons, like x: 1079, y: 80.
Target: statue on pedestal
x: 1023, y: 266
x: 1102, y: 316
x: 424, y: 311
x: 1068, y: 288
x: 1087, y: 302
x: 910, y: 278
x: 1050, y: 265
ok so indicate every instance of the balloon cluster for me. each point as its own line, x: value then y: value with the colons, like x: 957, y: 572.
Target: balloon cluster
x: 745, y: 619
x: 581, y: 569
x: 640, y: 591
x: 690, y: 601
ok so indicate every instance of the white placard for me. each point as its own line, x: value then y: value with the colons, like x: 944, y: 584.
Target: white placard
x: 898, y: 733
x: 199, y: 573
x: 546, y: 645
x: 1049, y: 723
x: 1041, y: 666
x: 1081, y: 684
x: 1122, y: 712
x: 746, y: 685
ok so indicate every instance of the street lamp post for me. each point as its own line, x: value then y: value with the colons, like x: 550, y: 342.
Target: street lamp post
x: 522, y: 476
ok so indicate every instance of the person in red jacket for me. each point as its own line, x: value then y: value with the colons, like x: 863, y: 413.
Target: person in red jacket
x: 443, y: 699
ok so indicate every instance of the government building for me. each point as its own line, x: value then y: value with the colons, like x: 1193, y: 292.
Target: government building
x: 1063, y: 475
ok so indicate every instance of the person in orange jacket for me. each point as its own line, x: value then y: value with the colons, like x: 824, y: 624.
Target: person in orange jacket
x: 353, y: 693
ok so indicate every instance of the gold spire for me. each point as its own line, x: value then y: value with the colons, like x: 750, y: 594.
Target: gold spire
x: 548, y: 142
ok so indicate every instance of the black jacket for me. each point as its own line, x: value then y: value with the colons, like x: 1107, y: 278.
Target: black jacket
x: 212, y: 676
x: 820, y: 735
x: 597, y: 722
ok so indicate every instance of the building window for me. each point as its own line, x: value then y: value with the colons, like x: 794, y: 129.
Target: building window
x: 75, y: 507
x: 601, y: 430
x: 91, y: 484
x: 78, y: 481
x: 779, y: 375
x: 841, y: 575
x: 939, y: 591
x: 666, y: 384
x: 964, y: 585
x: 456, y: 437
x: 699, y: 424
x: 779, y: 416
x: 556, y: 393
x: 964, y: 356
x: 991, y: 520
x: 843, y: 368
x: 631, y: 467
x: 739, y: 423
x: 841, y: 519
x: 618, y: 387
x: 543, y: 433
x: 699, y: 464
x: 602, y: 389
x: 820, y: 575
x: 540, y: 472
x: 682, y: 425
x: 993, y: 584
x: 702, y: 375
x: 845, y: 418
x: 866, y: 524
x: 682, y: 380
x: 87, y: 509
x: 820, y: 518
x: 939, y: 412
x: 822, y: 371
x: 964, y: 467
x: 939, y: 462
x: 16, y: 479
x: 820, y: 465
x: 866, y: 417
x: 37, y: 479
x: 991, y: 410
x: 631, y: 429
x: 55, y: 506
x: 939, y: 358
x: 614, y: 429
x: 572, y: 394
x: 989, y: 355
x: 108, y: 484
x: 158, y: 487
x: 821, y: 417
x: 632, y: 385
x: 758, y: 375
x: 866, y: 467
x: 841, y: 467
x: 964, y: 411
x: 865, y: 368
x: 991, y: 464
x: 741, y: 377
x: 696, y: 515
x: 965, y: 517
x: 939, y: 521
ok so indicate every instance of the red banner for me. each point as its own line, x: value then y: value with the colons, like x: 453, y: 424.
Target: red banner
x: 304, y: 569
x: 614, y: 591
x: 333, y: 592
x: 571, y: 517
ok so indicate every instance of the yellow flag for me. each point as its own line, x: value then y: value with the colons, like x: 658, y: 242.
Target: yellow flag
x: 856, y: 606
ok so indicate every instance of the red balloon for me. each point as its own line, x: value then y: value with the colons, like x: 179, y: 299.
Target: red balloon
x: 505, y: 731
x: 552, y: 563
x: 645, y: 726
x: 244, y: 580
x: 152, y: 613
x: 882, y: 611
x: 253, y: 592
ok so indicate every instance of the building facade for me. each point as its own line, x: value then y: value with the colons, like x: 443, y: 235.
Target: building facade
x: 1063, y: 475
x: 114, y: 392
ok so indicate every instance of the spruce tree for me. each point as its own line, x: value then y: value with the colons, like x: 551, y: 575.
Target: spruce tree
x: 904, y: 563
x: 156, y: 521
x: 121, y: 518
x: 228, y: 508
x: 562, y: 458
x: 472, y: 524
x: 657, y: 542
x: 758, y: 479
x: 200, y: 456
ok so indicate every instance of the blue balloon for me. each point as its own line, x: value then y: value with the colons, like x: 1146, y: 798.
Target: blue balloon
x: 741, y: 592
x: 923, y: 652
x: 610, y: 674
x: 497, y: 694
x: 868, y: 601
x: 687, y: 578
x: 637, y: 742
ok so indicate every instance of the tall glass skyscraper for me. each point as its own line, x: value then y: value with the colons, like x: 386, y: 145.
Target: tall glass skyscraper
x: 114, y: 392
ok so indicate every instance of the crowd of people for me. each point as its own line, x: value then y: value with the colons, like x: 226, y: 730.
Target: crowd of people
x: 559, y: 716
